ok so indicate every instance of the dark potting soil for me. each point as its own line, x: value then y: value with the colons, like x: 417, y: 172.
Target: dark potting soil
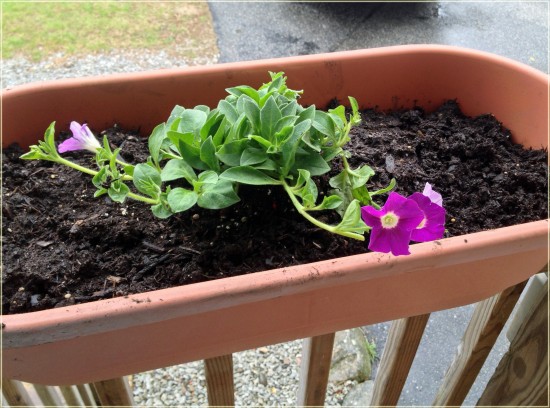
x: 59, y: 240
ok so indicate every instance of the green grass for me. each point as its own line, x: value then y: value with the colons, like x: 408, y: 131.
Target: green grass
x: 37, y: 29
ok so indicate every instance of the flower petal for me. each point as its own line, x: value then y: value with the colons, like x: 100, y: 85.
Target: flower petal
x: 400, y: 241
x: 434, y: 196
x: 409, y: 215
x: 434, y: 219
x: 69, y: 145
x: 380, y: 240
x: 371, y: 216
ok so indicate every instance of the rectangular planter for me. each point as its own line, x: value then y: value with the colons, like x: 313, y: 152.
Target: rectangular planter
x: 110, y: 338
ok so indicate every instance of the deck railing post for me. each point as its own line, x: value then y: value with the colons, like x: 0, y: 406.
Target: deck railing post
x: 114, y: 392
x: 403, y: 340
x: 219, y: 381
x: 521, y: 378
x: 15, y: 393
x: 487, y: 321
x: 315, y: 369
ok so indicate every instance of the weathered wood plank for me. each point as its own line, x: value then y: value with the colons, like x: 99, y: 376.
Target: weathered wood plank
x: 87, y: 394
x: 487, y: 321
x: 48, y: 395
x: 315, y: 369
x: 398, y: 355
x: 219, y: 381
x: 15, y: 393
x: 72, y: 396
x: 114, y: 392
x: 521, y: 378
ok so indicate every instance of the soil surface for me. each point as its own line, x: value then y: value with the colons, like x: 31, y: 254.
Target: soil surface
x: 61, y: 246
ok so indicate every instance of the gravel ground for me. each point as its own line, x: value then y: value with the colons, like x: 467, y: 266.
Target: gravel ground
x: 267, y: 376
x: 19, y: 71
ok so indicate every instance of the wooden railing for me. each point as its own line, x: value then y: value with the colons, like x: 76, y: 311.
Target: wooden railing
x: 521, y: 378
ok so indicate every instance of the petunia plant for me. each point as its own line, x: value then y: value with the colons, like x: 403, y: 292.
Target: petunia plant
x: 261, y: 137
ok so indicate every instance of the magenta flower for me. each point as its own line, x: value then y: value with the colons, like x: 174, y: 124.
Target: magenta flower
x: 83, y: 139
x: 432, y: 225
x: 393, y: 224
x: 434, y: 196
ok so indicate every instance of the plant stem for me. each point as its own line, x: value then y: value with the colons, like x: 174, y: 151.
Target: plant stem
x: 83, y: 169
x: 141, y: 198
x: 314, y: 220
x: 91, y: 172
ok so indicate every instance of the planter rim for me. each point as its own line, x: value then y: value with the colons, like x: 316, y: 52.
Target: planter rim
x: 27, y: 329
x: 338, y: 55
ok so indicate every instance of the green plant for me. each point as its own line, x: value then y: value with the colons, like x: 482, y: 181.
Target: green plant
x: 260, y: 137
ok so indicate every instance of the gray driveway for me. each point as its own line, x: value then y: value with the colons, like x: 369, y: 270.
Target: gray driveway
x: 246, y: 31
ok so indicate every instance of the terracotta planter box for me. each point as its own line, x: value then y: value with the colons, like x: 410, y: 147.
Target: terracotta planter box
x: 110, y: 338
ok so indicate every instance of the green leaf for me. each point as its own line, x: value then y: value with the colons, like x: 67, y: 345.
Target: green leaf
x: 390, y: 187
x: 351, y: 221
x: 306, y: 114
x: 268, y: 165
x: 230, y: 153
x: 360, y: 176
x: 100, y: 192
x: 309, y: 191
x: 177, y: 137
x: 192, y: 121
x: 312, y: 162
x: 291, y: 146
x: 324, y: 124
x: 269, y: 116
x: 248, y: 175
x: 353, y: 103
x: 202, y: 108
x: 101, y: 177
x: 191, y: 154
x: 211, y: 125
x: 208, y: 177
x: 219, y: 136
x: 147, y: 180
x: 329, y: 203
x: 238, y: 129
x: 228, y: 110
x: 252, y: 112
x: 155, y: 141
x: 339, y: 181
x: 49, y: 138
x: 217, y: 196
x: 244, y: 90
x: 289, y: 109
x: 180, y: 199
x: 282, y: 136
x: 338, y: 115
x: 285, y: 121
x: 129, y: 169
x: 161, y: 210
x: 208, y: 154
x: 329, y: 153
x: 118, y: 191
x: 252, y: 156
x: 175, y: 114
x: 264, y: 142
x: 176, y: 169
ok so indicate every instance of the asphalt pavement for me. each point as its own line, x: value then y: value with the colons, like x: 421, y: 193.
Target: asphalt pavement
x: 517, y: 30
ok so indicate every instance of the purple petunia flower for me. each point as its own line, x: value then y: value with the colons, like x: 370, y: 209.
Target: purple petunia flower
x: 434, y: 196
x: 83, y: 139
x: 393, y: 224
x: 432, y: 225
